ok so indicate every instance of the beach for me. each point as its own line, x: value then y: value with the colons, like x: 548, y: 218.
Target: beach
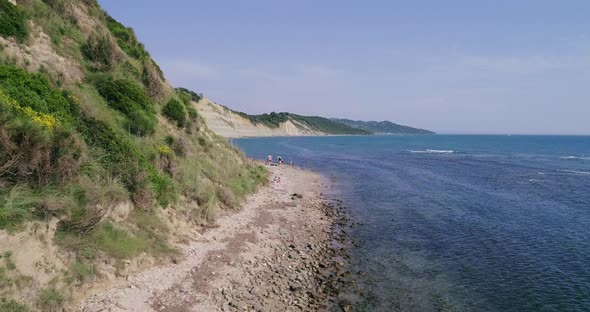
x: 275, y: 254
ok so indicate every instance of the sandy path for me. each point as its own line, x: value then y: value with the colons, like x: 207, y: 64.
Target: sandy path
x: 247, y: 263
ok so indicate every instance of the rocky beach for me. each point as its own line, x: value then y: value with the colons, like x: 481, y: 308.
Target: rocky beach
x: 283, y: 251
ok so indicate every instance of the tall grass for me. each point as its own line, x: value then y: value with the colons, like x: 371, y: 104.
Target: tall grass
x: 100, y: 52
x: 84, y: 148
x: 20, y: 203
x: 148, y: 234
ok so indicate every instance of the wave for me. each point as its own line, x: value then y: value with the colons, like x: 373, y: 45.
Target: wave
x: 575, y: 157
x: 575, y: 171
x: 433, y: 151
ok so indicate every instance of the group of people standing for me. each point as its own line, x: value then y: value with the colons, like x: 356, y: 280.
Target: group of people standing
x: 280, y: 161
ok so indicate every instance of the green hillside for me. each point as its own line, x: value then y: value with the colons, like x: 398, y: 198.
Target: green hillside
x: 321, y: 124
x: 381, y: 127
x: 333, y: 126
x: 93, y: 127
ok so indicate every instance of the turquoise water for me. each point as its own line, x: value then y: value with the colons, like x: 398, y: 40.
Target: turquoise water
x: 467, y: 223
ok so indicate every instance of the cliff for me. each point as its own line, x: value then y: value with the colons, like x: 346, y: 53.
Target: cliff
x: 104, y: 167
x: 233, y: 124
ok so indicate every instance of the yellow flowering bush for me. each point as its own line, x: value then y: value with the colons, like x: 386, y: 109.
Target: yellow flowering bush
x: 74, y: 99
x: 164, y: 150
x: 41, y: 119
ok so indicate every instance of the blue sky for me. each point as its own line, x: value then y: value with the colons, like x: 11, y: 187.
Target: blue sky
x: 449, y: 66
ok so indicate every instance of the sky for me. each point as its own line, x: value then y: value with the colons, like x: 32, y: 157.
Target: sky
x: 503, y: 67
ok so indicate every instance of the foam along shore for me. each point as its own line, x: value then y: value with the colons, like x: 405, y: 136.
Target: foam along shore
x: 275, y: 254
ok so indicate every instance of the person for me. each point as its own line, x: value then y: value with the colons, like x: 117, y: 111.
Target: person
x: 280, y: 160
x: 269, y: 160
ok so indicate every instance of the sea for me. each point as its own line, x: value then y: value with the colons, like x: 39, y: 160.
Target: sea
x: 458, y: 222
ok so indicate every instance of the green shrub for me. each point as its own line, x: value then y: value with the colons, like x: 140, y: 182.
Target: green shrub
x: 37, y: 142
x: 184, y: 97
x: 126, y: 39
x: 35, y: 91
x: 121, y: 157
x: 124, y: 95
x: 9, y: 305
x: 116, y: 147
x: 130, y: 99
x: 272, y: 120
x: 50, y: 300
x: 141, y: 123
x: 34, y: 147
x: 163, y: 188
x: 191, y: 94
x: 12, y: 21
x: 192, y: 113
x: 99, y: 51
x: 174, y: 111
x: 131, y: 71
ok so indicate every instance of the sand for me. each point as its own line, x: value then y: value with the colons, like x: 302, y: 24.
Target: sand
x: 273, y: 255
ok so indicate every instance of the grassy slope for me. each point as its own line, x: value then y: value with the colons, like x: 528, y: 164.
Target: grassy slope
x: 74, y: 150
x: 382, y: 127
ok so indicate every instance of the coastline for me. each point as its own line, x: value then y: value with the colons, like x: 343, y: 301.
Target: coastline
x: 280, y: 252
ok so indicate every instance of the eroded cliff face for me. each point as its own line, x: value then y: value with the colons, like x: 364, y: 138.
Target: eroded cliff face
x: 228, y: 124
x: 104, y: 168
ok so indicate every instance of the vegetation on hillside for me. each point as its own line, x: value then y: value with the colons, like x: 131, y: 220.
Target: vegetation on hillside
x: 326, y: 125
x: 12, y: 21
x: 175, y: 111
x: 331, y: 125
x: 382, y: 127
x: 272, y: 120
x: 320, y: 124
x: 191, y: 94
x: 73, y: 151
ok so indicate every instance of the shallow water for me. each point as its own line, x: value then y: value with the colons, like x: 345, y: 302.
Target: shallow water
x: 467, y: 223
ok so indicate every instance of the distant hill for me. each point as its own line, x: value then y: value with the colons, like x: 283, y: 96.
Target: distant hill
x: 229, y: 123
x: 381, y: 127
x: 316, y: 123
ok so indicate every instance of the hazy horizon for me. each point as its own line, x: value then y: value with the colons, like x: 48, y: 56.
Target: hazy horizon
x: 454, y: 67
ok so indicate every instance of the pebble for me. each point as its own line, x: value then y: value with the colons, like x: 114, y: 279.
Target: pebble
x: 301, y: 275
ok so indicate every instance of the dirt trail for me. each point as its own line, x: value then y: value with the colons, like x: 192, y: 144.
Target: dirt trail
x: 268, y: 257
